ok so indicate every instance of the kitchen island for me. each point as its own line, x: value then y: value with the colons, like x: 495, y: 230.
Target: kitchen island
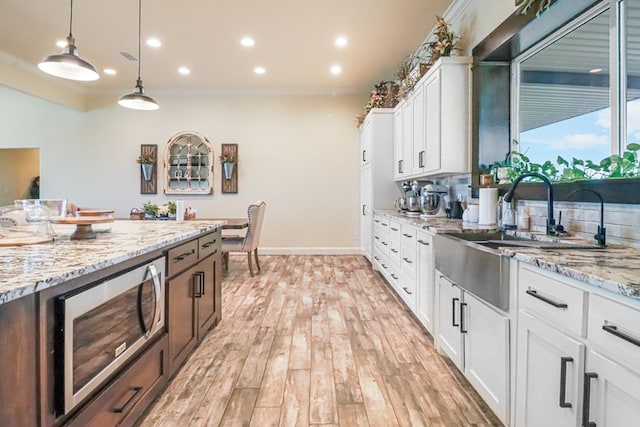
x: 184, y: 260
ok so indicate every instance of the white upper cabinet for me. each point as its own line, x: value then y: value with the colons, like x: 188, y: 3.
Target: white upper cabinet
x: 436, y: 122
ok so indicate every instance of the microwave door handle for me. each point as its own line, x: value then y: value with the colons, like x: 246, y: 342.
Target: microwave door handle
x: 157, y: 290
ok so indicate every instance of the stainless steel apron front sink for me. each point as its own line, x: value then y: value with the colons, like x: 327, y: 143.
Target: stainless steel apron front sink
x: 478, y: 269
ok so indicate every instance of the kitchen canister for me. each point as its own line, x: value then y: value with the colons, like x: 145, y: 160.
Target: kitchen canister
x: 487, y: 207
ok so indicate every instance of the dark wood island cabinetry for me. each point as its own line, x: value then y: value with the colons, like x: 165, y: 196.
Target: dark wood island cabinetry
x: 30, y: 323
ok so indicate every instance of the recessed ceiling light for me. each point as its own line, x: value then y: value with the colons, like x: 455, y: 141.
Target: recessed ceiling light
x: 259, y: 70
x: 110, y: 71
x: 595, y: 70
x: 61, y: 43
x: 247, y: 41
x: 335, y: 70
x: 184, y: 71
x: 341, y: 41
x: 153, y: 42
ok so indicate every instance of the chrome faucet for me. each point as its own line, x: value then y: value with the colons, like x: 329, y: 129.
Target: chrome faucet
x: 601, y: 235
x: 552, y: 228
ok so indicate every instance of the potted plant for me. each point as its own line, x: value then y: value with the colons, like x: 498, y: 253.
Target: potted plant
x: 146, y: 163
x: 228, y: 162
x: 150, y: 210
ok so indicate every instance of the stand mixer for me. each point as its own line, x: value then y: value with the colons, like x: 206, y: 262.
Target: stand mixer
x: 432, y: 201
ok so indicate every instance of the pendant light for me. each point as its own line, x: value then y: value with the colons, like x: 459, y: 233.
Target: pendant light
x: 68, y: 64
x: 137, y: 100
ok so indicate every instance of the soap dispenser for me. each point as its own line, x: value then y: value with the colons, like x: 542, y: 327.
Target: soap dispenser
x: 508, y: 215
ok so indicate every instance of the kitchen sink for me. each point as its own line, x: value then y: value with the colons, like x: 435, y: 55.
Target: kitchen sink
x: 474, y: 262
x: 496, y: 239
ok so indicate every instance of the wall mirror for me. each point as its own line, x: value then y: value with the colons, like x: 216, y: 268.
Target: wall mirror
x: 188, y: 164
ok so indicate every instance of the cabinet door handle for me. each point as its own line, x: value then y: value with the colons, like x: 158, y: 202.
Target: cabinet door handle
x: 407, y: 260
x: 613, y: 330
x: 123, y: 408
x: 462, y: 309
x: 563, y: 381
x: 407, y: 291
x: 453, y: 312
x: 400, y: 166
x: 363, y: 155
x: 586, y: 399
x: 422, y: 242
x: 421, y: 159
x: 202, y: 278
x: 363, y: 212
x: 196, y: 280
x: 183, y: 256
x: 549, y: 301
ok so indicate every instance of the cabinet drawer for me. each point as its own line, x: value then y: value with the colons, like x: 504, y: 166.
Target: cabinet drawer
x: 555, y: 301
x: 614, y: 327
x: 122, y: 402
x: 395, y: 229
x: 394, y: 248
x: 208, y: 244
x: 409, y: 259
x: 409, y: 234
x: 182, y: 257
x: 407, y: 290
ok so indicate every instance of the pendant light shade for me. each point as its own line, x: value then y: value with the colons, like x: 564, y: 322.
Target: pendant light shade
x: 137, y: 100
x: 67, y: 64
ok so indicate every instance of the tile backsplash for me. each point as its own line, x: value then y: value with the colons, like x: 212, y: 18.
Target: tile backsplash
x: 582, y: 219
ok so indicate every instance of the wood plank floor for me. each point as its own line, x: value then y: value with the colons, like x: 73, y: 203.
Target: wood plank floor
x: 316, y: 340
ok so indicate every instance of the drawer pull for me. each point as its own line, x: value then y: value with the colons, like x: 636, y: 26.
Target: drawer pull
x: 613, y: 330
x: 535, y: 294
x: 394, y: 229
x: 206, y: 245
x: 384, y: 243
x: 183, y: 256
x: 407, y: 235
x: 384, y: 225
x: 586, y: 399
x: 563, y: 381
x: 394, y: 276
x: 376, y: 237
x: 453, y: 312
x: 407, y: 291
x: 376, y: 220
x: 407, y: 260
x: 384, y: 266
x: 422, y: 242
x: 376, y: 258
x: 129, y: 401
x: 395, y: 251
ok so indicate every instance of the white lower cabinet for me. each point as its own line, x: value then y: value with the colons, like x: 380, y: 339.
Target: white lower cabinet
x: 612, y: 393
x: 475, y: 336
x: 564, y: 376
x: 549, y: 371
x: 424, y: 285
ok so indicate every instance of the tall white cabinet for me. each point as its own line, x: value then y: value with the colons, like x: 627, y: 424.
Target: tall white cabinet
x: 378, y: 189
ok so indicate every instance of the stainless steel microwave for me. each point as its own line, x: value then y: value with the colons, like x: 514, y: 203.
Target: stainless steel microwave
x: 101, y: 326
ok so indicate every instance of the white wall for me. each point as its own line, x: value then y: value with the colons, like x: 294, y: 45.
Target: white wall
x: 298, y: 153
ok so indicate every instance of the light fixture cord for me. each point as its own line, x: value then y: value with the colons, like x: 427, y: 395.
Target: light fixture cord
x: 139, y: 34
x: 71, y: 19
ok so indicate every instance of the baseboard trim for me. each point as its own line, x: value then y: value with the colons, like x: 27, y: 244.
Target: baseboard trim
x: 309, y: 251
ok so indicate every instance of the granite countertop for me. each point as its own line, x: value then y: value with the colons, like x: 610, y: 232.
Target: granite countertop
x: 615, y: 268
x: 29, y: 269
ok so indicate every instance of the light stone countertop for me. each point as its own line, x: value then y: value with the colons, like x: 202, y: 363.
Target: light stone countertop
x: 28, y: 269
x: 615, y: 269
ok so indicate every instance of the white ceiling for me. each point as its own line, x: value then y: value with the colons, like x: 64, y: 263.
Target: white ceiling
x: 294, y: 40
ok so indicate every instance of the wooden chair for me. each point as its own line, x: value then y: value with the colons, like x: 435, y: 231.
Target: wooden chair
x: 250, y: 241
